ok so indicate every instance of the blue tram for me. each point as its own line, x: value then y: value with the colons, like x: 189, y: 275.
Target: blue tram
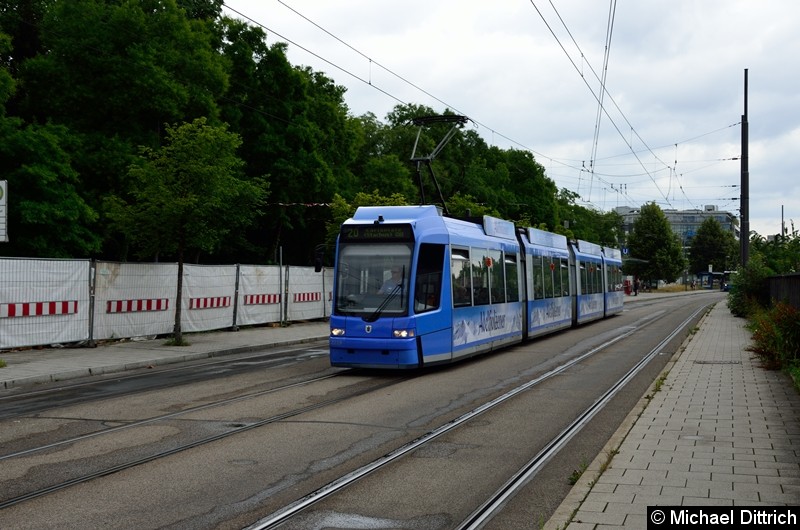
x: 415, y: 288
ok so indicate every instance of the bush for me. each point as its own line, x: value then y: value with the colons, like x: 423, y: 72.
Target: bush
x: 776, y: 336
x: 749, y: 289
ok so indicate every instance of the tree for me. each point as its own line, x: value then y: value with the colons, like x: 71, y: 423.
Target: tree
x: 296, y: 131
x: 655, y: 250
x: 750, y: 290
x: 585, y: 223
x: 47, y: 218
x: 780, y: 253
x: 112, y: 73
x: 535, y: 194
x: 96, y: 79
x: 376, y: 168
x: 712, y: 245
x: 188, y: 195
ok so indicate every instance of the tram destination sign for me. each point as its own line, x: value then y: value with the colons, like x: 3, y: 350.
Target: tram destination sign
x: 377, y: 232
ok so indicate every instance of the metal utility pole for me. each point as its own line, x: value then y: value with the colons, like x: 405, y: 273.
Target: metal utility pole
x: 783, y: 225
x: 744, y: 236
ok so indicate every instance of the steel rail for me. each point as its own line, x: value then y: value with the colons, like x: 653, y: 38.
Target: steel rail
x: 486, y: 511
x: 284, y: 514
x: 191, y: 445
x: 163, y: 417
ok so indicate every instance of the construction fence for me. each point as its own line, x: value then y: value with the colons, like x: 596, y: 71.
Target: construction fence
x: 45, y: 302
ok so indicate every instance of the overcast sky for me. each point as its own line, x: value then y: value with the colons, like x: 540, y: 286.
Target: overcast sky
x: 527, y: 74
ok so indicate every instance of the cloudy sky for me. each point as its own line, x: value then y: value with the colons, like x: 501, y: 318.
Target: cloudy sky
x: 528, y: 75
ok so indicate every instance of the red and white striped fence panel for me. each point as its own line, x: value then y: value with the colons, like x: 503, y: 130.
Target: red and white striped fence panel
x: 209, y: 302
x: 307, y: 297
x: 262, y: 299
x: 129, y: 298
x: 38, y: 309
x: 135, y: 306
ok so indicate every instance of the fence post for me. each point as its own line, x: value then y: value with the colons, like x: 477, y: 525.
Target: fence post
x: 324, y: 300
x: 286, y: 296
x: 234, y: 326
x: 92, y: 287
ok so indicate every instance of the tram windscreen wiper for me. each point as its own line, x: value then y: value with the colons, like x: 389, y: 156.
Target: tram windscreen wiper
x: 398, y: 289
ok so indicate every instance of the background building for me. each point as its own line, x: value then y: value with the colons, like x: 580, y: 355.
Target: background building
x: 684, y: 223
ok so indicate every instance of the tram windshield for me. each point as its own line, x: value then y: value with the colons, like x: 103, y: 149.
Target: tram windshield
x: 373, y: 279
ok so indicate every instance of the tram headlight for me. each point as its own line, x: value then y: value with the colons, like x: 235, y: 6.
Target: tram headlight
x: 337, y: 332
x: 402, y: 333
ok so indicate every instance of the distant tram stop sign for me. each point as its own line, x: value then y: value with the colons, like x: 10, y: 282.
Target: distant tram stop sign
x: 3, y: 210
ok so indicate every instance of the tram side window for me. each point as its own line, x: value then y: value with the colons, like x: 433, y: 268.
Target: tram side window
x: 548, y: 277
x: 614, y: 278
x: 585, y: 288
x: 556, y: 277
x: 427, y: 290
x: 538, y: 279
x: 598, y: 279
x: 591, y: 288
x: 461, y: 278
x: 564, y: 277
x: 512, y: 278
x: 480, y: 276
x: 497, y: 282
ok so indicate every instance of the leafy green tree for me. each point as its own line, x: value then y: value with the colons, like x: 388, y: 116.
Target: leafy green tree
x: 202, y: 9
x: 123, y: 68
x: 113, y: 72
x: 46, y: 215
x: 20, y: 20
x: 712, y: 245
x: 749, y: 290
x: 388, y: 175
x: 376, y: 167
x: 296, y: 132
x: 781, y: 253
x: 99, y: 78
x: 405, y: 139
x: 533, y: 194
x: 579, y: 222
x: 342, y: 209
x: 654, y: 248
x: 465, y: 206
x: 188, y: 196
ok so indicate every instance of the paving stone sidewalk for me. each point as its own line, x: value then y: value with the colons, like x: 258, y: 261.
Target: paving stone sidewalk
x: 721, y: 431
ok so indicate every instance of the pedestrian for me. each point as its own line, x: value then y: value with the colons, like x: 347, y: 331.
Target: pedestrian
x: 636, y: 287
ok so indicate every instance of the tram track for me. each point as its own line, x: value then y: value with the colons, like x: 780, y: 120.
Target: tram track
x: 235, y: 429
x: 21, y: 402
x: 354, y: 464
x: 163, y: 417
x: 495, y: 502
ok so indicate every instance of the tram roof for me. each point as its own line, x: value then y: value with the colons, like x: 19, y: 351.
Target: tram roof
x: 430, y: 219
x: 612, y: 253
x: 395, y: 214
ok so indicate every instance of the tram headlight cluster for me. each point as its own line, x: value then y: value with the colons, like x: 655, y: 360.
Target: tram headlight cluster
x: 337, y: 332
x: 402, y: 333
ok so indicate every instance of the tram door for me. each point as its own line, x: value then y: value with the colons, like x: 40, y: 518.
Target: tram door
x: 433, y: 316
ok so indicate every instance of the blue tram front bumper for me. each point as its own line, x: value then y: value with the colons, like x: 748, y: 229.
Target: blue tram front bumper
x: 357, y: 352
